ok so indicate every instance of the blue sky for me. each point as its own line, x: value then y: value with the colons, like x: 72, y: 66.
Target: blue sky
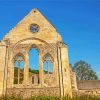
x: 78, y: 22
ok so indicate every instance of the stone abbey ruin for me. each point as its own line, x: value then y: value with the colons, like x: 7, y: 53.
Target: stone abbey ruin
x: 34, y: 31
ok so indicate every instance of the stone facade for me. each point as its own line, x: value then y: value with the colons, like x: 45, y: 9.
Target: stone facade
x: 34, y: 31
x: 89, y: 87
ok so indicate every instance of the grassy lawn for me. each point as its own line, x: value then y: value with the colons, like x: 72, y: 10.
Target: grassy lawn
x: 51, y: 98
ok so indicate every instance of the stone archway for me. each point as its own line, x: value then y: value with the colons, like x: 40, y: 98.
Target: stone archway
x: 34, y: 65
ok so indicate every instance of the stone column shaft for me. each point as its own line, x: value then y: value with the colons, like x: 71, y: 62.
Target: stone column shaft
x: 41, y: 76
x: 26, y: 69
x: 60, y: 73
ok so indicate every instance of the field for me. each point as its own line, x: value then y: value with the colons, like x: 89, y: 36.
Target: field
x: 51, y: 98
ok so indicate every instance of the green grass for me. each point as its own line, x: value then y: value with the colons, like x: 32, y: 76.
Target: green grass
x: 50, y: 98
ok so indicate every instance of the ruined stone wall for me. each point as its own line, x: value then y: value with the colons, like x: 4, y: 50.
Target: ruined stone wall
x: 89, y: 84
x: 91, y: 92
x: 47, y: 41
x: 28, y: 92
x: 73, y: 82
x: 90, y: 87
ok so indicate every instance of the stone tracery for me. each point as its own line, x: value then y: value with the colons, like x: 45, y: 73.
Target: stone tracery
x: 43, y: 56
x: 18, y: 69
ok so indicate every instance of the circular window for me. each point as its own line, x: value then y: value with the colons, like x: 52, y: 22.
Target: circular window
x: 34, y: 28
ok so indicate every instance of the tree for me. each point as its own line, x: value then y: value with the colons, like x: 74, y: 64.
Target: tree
x: 84, y: 71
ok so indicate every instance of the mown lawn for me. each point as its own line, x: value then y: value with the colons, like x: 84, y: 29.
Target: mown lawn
x: 50, y: 98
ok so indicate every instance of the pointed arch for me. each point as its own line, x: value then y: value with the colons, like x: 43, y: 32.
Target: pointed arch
x: 18, y: 54
x: 34, y: 64
x: 49, y: 55
x: 18, y: 61
x: 48, y: 64
x: 34, y: 46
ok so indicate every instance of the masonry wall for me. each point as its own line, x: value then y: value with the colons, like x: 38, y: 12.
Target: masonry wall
x: 90, y: 87
x: 73, y: 82
x: 28, y: 92
x: 2, y: 67
x: 91, y: 84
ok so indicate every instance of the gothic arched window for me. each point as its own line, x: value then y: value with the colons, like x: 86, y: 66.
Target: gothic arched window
x: 48, y: 64
x: 18, y: 69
